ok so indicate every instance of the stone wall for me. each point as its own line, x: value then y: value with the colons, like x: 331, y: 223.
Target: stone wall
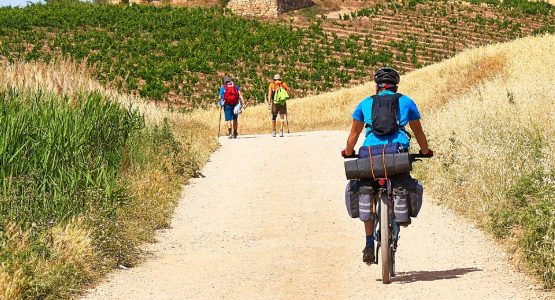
x: 259, y: 8
x: 266, y: 8
x: 288, y: 5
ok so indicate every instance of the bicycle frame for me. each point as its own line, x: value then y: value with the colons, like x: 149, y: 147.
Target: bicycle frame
x: 384, y: 195
x: 394, y: 229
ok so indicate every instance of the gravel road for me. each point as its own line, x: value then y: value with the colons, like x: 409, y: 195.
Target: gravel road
x: 269, y: 221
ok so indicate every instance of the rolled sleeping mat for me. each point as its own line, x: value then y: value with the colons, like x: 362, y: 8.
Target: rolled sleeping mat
x: 395, y: 164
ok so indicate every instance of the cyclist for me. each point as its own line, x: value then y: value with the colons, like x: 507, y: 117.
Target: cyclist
x: 386, y: 80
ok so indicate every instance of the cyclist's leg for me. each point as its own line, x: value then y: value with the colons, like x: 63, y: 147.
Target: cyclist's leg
x: 369, y: 227
x: 368, y: 252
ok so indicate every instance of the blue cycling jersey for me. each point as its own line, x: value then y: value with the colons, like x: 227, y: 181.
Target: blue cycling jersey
x: 407, y: 112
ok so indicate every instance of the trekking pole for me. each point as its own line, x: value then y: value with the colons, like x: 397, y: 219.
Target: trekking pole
x: 267, y: 101
x: 287, y: 122
x: 220, y: 122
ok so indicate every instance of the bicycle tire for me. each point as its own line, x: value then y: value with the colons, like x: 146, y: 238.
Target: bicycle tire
x: 384, y: 239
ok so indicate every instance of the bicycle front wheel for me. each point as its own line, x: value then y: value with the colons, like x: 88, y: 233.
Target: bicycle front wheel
x: 384, y: 239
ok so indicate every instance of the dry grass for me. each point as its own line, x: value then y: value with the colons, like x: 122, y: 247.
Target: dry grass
x: 66, y: 77
x: 67, y: 260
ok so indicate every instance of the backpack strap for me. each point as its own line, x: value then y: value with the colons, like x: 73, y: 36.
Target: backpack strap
x: 401, y: 128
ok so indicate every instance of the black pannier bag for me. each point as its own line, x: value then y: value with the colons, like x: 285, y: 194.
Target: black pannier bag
x: 352, y: 191
x: 415, y: 192
x: 415, y: 198
x: 365, y: 197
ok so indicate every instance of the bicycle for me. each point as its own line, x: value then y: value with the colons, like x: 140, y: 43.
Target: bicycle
x: 386, y: 237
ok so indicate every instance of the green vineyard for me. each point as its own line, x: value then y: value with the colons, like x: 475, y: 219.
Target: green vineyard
x: 179, y: 55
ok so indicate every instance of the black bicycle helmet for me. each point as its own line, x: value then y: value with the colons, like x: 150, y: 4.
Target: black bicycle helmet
x: 387, y: 75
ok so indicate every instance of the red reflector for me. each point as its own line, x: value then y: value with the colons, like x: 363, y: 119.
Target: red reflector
x: 381, y: 181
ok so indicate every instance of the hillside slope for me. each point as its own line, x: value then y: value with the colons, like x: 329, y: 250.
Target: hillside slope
x: 180, y: 54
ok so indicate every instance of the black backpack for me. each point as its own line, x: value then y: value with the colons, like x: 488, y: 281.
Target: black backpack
x: 384, y: 114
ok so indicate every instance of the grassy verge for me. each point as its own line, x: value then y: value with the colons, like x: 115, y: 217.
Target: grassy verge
x: 86, y: 178
x: 496, y: 150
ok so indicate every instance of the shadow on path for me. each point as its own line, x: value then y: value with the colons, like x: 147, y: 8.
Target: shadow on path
x: 408, y: 277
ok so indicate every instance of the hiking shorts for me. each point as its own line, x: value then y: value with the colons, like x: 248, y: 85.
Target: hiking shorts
x: 229, y: 115
x: 279, y: 109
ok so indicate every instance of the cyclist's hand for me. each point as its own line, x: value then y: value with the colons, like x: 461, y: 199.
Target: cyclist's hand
x: 429, y: 154
x: 344, y: 154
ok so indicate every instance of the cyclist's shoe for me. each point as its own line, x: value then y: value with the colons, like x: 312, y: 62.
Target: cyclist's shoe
x: 273, y: 133
x: 368, y: 255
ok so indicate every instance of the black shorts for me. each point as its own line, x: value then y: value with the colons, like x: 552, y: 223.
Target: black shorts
x: 279, y: 109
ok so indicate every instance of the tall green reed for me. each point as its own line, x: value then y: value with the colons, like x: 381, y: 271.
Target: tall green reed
x: 60, y: 156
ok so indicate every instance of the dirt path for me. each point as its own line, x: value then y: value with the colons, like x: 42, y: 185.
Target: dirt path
x: 269, y: 221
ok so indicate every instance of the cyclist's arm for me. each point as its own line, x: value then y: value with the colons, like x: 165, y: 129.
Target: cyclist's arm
x: 356, y: 129
x: 416, y: 128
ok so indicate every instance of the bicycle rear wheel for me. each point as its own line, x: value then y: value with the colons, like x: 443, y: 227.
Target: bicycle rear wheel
x: 384, y: 239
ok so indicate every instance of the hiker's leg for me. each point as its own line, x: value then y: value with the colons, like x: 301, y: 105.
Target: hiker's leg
x: 282, y: 117
x: 228, y: 126
x: 235, y: 125
x: 228, y: 110
x: 274, y: 116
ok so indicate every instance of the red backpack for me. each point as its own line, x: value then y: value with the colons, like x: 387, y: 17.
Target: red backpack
x: 231, y: 95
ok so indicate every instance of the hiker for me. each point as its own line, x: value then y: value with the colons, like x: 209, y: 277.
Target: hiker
x: 405, y: 112
x: 230, y: 98
x: 277, y: 97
